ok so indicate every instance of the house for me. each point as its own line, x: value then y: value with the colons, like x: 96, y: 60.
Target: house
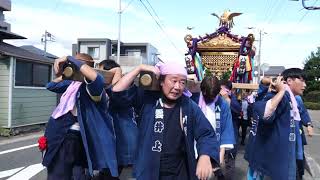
x: 273, y: 71
x: 24, y: 99
x: 131, y: 54
x: 38, y: 51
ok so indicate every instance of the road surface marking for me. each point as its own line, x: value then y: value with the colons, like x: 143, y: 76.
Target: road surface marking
x: 10, y: 172
x: 21, y: 138
x: 28, y: 172
x: 314, y: 166
x: 18, y: 149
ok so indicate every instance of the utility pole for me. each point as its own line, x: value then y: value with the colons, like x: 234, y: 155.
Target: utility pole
x: 45, y: 38
x: 259, y: 57
x: 119, y: 33
x: 261, y: 32
x: 45, y: 43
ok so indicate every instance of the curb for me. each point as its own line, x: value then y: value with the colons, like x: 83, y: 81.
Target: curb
x: 13, y: 139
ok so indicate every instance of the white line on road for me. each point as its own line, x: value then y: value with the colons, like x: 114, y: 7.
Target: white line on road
x: 10, y: 172
x: 28, y: 172
x: 18, y: 149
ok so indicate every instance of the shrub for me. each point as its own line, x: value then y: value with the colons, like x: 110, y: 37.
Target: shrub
x: 313, y: 96
x: 312, y: 105
x: 5, y: 132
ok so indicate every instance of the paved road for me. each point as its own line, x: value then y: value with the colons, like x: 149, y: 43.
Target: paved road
x: 20, y: 158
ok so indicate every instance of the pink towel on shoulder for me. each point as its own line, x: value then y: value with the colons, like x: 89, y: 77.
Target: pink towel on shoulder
x: 296, y: 114
x: 67, y: 100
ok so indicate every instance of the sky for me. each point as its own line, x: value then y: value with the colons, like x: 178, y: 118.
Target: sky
x: 290, y: 33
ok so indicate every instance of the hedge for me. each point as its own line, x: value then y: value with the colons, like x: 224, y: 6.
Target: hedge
x: 313, y: 96
x: 312, y: 105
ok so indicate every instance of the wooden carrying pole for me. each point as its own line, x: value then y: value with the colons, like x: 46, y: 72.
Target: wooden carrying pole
x: 69, y: 74
x: 147, y: 80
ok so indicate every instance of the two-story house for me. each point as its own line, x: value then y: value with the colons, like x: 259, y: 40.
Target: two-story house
x: 131, y: 54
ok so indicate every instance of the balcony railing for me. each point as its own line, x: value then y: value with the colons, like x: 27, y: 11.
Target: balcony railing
x: 129, y: 60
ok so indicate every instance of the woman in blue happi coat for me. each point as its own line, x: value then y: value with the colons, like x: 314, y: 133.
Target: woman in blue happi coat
x: 169, y: 122
x: 274, y: 141
x: 80, y: 132
x: 218, y: 112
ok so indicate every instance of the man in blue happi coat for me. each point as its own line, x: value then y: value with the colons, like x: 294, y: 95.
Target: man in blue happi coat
x: 305, y: 122
x: 169, y: 122
x: 125, y: 125
x: 273, y: 145
x: 80, y: 132
x: 218, y: 112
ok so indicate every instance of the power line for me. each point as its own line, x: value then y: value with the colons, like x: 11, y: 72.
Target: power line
x: 158, y: 24
x: 310, y: 7
x: 306, y: 13
x: 269, y: 10
x: 154, y: 11
x: 300, y: 20
x: 127, y: 6
x: 277, y: 9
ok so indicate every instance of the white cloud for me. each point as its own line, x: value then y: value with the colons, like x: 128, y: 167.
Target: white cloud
x: 111, y: 5
x: 32, y: 23
x: 283, y: 41
x: 290, y: 28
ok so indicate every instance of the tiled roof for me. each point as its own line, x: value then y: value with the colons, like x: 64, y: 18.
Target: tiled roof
x: 10, y: 50
x: 38, y: 51
x: 10, y: 35
x: 274, y: 70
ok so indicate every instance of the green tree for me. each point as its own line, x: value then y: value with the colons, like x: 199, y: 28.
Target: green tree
x: 312, y: 70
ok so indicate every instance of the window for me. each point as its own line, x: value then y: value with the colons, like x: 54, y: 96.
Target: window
x: 32, y: 74
x: 94, y: 52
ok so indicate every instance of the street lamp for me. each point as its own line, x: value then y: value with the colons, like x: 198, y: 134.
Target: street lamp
x: 255, y: 75
x: 265, y: 67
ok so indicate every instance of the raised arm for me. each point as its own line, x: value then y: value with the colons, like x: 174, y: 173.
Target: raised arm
x: 273, y: 103
x: 117, y: 75
x: 88, y: 72
x: 58, y: 85
x: 92, y: 79
x: 126, y: 81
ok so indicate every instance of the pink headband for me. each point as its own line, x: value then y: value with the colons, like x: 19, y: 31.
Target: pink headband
x: 171, y: 68
x: 174, y: 68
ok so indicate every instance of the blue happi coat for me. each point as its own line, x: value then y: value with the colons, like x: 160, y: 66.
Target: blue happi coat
x: 271, y: 148
x: 126, y: 130
x: 224, y: 126
x: 305, y: 118
x: 196, y: 126
x: 96, y: 126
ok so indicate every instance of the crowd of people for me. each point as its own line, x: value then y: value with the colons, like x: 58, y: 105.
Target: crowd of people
x: 97, y: 129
